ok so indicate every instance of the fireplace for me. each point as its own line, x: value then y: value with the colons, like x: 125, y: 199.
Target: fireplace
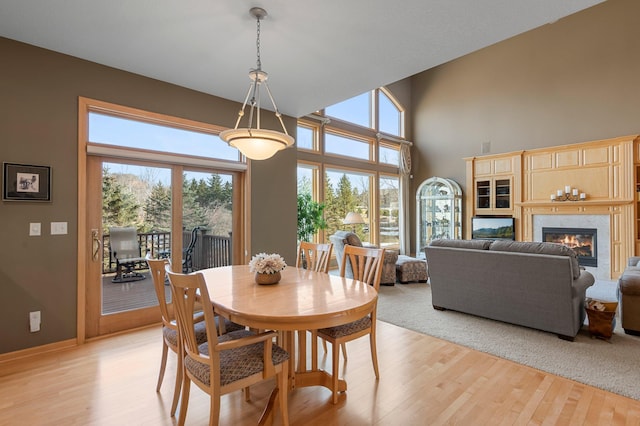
x: 581, y: 240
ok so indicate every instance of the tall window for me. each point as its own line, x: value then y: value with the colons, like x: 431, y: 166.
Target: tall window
x: 349, y: 160
x: 348, y: 191
x: 389, y: 190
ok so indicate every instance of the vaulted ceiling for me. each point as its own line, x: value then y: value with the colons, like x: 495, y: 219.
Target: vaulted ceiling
x: 317, y: 53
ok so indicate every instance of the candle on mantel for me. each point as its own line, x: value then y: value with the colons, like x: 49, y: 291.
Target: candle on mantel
x: 553, y: 197
x: 559, y: 192
x: 575, y: 192
x: 567, y: 189
x: 583, y: 196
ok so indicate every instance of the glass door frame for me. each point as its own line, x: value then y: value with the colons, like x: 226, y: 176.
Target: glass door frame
x: 90, y: 323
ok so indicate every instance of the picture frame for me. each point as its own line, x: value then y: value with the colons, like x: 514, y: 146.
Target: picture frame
x: 23, y: 182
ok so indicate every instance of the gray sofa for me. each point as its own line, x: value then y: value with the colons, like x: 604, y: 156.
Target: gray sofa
x: 629, y: 297
x: 340, y: 238
x: 537, y: 285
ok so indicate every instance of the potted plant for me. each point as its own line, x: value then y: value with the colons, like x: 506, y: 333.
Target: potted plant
x: 310, y: 217
x: 267, y: 267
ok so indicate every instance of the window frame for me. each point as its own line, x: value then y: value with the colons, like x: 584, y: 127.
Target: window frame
x: 324, y: 160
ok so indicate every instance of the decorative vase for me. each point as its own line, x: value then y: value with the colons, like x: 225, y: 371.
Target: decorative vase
x: 266, y: 279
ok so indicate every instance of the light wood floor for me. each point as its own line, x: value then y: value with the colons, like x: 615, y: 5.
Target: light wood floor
x: 424, y: 381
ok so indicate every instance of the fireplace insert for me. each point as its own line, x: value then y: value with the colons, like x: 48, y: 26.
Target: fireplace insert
x: 581, y: 240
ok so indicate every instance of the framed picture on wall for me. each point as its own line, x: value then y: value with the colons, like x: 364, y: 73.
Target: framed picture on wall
x: 23, y: 182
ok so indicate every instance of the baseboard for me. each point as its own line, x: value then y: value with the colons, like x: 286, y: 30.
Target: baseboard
x: 38, y: 350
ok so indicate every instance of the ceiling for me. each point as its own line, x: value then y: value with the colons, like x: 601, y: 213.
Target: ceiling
x: 317, y: 53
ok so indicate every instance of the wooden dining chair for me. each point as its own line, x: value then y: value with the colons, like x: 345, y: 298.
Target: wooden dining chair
x: 224, y: 363
x: 366, y: 264
x: 170, y: 338
x: 314, y: 256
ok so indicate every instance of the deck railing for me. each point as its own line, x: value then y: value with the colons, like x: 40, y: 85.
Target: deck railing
x: 209, y: 251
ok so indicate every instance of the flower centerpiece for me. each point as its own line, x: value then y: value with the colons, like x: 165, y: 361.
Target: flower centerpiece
x: 267, y: 267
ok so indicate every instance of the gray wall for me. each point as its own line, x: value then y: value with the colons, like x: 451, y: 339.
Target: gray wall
x: 39, y: 92
x: 572, y: 81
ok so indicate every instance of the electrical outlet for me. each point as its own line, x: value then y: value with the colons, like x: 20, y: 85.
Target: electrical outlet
x: 34, y: 321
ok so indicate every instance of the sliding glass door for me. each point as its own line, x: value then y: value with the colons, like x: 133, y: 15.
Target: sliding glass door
x: 145, y: 196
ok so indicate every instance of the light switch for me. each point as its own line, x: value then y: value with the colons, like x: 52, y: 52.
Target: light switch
x: 58, y: 228
x: 34, y: 229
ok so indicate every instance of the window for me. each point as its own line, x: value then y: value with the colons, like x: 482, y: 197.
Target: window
x: 389, y: 190
x: 347, y: 146
x: 356, y: 110
x: 309, y: 179
x: 389, y: 154
x: 348, y: 191
x: 390, y: 117
x: 353, y: 168
x: 124, y: 132
x: 305, y: 138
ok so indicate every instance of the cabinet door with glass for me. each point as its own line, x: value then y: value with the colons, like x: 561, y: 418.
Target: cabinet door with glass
x: 493, y: 194
x: 439, y: 212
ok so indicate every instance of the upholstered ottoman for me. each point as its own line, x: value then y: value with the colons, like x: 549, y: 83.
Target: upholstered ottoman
x: 410, y: 269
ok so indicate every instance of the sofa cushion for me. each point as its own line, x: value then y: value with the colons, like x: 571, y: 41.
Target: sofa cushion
x: 554, y: 249
x: 353, y: 240
x: 466, y: 244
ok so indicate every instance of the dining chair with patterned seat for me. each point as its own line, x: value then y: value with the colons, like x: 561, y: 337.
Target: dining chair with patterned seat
x: 366, y: 264
x: 170, y: 338
x: 224, y: 363
x: 315, y: 257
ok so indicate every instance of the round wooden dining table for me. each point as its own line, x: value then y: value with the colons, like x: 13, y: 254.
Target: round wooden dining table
x: 302, y: 300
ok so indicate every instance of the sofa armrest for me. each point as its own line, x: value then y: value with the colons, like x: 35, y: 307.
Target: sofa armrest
x: 580, y: 284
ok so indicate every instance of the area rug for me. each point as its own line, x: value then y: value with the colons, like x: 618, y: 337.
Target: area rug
x: 612, y: 365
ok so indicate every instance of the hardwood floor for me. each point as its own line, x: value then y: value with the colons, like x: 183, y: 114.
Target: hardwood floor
x: 423, y: 381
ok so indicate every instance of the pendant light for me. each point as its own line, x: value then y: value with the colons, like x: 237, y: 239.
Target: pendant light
x: 253, y: 141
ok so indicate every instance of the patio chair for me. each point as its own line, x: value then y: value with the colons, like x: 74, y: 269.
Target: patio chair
x: 125, y: 249
x: 187, y: 252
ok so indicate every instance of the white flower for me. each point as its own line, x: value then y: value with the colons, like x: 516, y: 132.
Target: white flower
x: 267, y: 263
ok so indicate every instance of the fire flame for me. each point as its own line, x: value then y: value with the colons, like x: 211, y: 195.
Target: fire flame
x: 572, y: 241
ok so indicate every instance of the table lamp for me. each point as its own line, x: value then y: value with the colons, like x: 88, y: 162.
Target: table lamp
x: 353, y: 219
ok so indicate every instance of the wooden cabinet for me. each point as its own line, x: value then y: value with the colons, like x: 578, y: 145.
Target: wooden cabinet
x: 495, y: 180
x: 439, y: 212
x: 492, y: 195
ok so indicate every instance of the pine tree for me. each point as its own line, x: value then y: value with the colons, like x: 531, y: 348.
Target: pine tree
x: 157, y: 209
x: 119, y: 207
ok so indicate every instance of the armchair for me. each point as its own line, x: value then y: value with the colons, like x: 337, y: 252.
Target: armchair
x: 342, y: 238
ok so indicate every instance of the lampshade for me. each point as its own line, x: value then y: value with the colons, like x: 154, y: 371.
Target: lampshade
x: 253, y: 142
x: 353, y: 219
x: 257, y: 144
